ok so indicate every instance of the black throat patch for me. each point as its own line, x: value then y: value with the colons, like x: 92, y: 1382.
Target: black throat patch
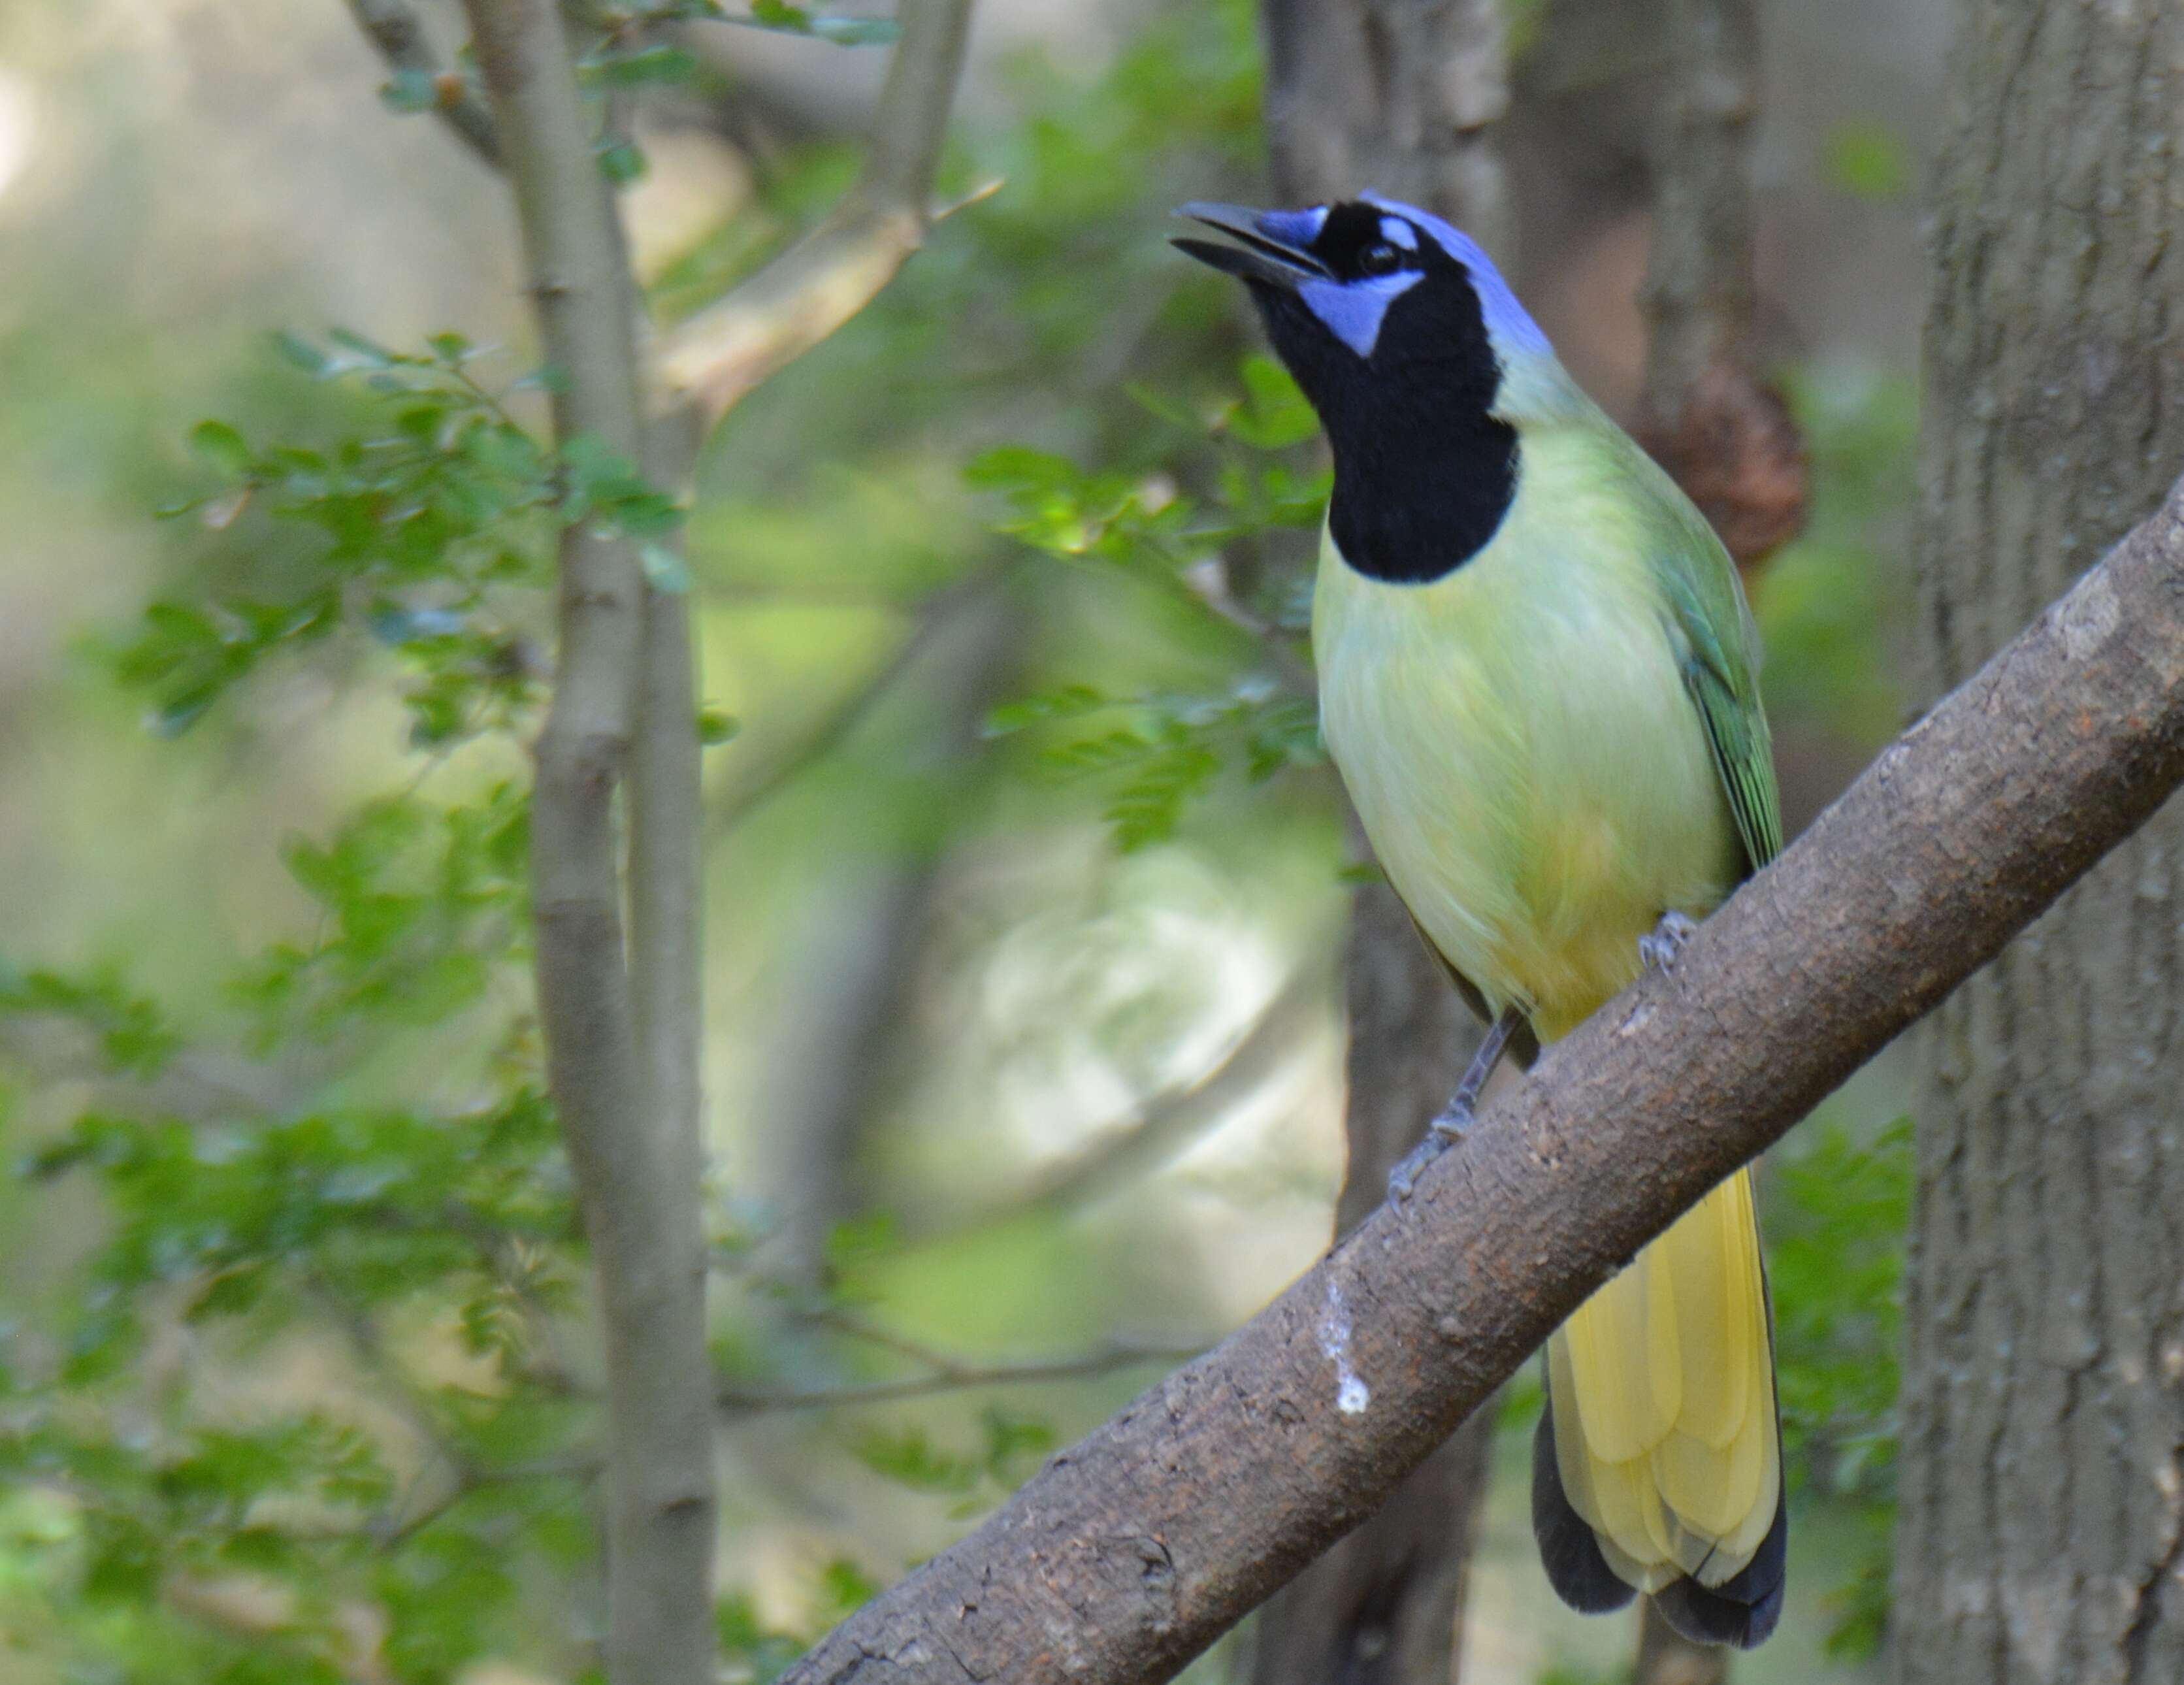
x: 1423, y: 473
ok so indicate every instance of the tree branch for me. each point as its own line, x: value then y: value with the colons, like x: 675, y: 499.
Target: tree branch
x: 395, y: 29
x: 957, y: 1377
x: 636, y: 1183
x: 1132, y: 1551
x: 713, y: 360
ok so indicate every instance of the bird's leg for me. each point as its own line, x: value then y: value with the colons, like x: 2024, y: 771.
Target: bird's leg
x: 1662, y: 949
x: 1451, y: 1122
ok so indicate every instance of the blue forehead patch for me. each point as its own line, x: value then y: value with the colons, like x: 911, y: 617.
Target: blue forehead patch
x: 1298, y: 228
x: 1354, y: 311
x: 1508, y: 324
x: 1397, y: 233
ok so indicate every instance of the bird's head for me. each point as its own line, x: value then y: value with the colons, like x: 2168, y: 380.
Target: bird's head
x: 1366, y: 297
x: 1417, y: 357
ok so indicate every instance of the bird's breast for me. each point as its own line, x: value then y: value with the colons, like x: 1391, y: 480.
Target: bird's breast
x: 1532, y: 774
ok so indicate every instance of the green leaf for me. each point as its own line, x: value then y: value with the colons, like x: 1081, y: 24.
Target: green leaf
x: 716, y: 728
x: 1069, y: 702
x: 647, y: 64
x: 622, y: 162
x: 302, y: 352
x: 222, y: 446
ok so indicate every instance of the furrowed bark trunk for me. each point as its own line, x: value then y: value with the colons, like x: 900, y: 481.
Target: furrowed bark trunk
x: 2042, y: 1461
x: 620, y: 1062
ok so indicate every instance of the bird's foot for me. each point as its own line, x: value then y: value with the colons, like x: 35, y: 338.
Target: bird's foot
x: 1662, y: 949
x: 1449, y: 1125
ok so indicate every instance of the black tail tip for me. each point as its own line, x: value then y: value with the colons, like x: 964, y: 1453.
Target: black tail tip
x: 1741, y: 1612
x: 1567, y: 1549
x: 1743, y: 1609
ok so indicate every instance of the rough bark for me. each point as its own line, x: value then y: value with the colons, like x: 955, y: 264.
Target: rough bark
x: 2042, y: 1521
x: 1707, y: 411
x: 1133, y: 1549
x: 1397, y: 97
x: 632, y: 1152
x: 1385, y: 1606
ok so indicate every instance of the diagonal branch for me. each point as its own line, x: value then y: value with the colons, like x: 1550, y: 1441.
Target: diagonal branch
x: 395, y: 29
x: 1132, y: 1551
x: 713, y: 360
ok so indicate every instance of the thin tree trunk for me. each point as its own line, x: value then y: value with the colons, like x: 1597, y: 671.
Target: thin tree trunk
x: 2042, y: 1460
x: 1707, y: 411
x: 624, y: 1088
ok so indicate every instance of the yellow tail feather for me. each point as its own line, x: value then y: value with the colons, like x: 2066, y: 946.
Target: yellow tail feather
x: 1663, y: 1384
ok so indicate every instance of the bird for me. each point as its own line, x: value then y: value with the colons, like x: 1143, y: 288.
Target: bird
x: 1539, y: 680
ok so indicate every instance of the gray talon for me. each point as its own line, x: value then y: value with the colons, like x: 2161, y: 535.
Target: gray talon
x: 1452, y: 1124
x: 1660, y: 951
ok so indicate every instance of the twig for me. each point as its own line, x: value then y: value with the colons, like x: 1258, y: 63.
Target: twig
x: 395, y: 29
x: 957, y: 1378
x: 1133, y: 1550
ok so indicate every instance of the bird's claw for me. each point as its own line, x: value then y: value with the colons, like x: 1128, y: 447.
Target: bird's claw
x: 1447, y: 1128
x: 1660, y: 951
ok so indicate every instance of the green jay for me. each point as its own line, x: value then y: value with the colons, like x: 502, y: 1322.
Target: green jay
x: 1538, y: 679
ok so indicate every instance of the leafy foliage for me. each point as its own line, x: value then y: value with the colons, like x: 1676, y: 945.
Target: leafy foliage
x: 1836, y: 1235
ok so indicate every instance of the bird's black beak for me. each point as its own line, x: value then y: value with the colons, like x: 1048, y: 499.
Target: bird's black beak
x: 1273, y: 246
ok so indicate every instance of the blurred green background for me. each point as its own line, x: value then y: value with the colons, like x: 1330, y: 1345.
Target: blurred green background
x: 1026, y: 883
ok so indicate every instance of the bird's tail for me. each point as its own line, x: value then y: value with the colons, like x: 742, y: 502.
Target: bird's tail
x: 1658, y: 1463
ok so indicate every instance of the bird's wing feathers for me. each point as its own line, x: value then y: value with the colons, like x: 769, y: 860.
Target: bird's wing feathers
x: 1721, y: 669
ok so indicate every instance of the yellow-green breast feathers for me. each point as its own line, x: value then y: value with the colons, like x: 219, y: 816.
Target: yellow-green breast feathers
x: 1520, y: 735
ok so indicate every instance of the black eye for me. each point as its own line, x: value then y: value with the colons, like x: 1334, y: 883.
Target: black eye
x: 1379, y: 260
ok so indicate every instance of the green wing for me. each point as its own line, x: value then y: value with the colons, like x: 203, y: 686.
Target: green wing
x: 1721, y: 670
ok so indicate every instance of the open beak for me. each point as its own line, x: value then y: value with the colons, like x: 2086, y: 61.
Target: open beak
x: 1274, y: 247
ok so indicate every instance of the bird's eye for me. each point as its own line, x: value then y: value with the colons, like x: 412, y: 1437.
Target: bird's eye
x: 1379, y: 260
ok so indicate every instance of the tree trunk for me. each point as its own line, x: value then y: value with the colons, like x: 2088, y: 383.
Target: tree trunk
x: 1397, y: 97
x: 2042, y: 1522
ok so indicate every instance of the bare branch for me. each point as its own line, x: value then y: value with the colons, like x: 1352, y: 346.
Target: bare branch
x: 959, y: 1377
x: 1132, y: 1551
x: 811, y: 290
x: 395, y: 29
x: 634, y: 1163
